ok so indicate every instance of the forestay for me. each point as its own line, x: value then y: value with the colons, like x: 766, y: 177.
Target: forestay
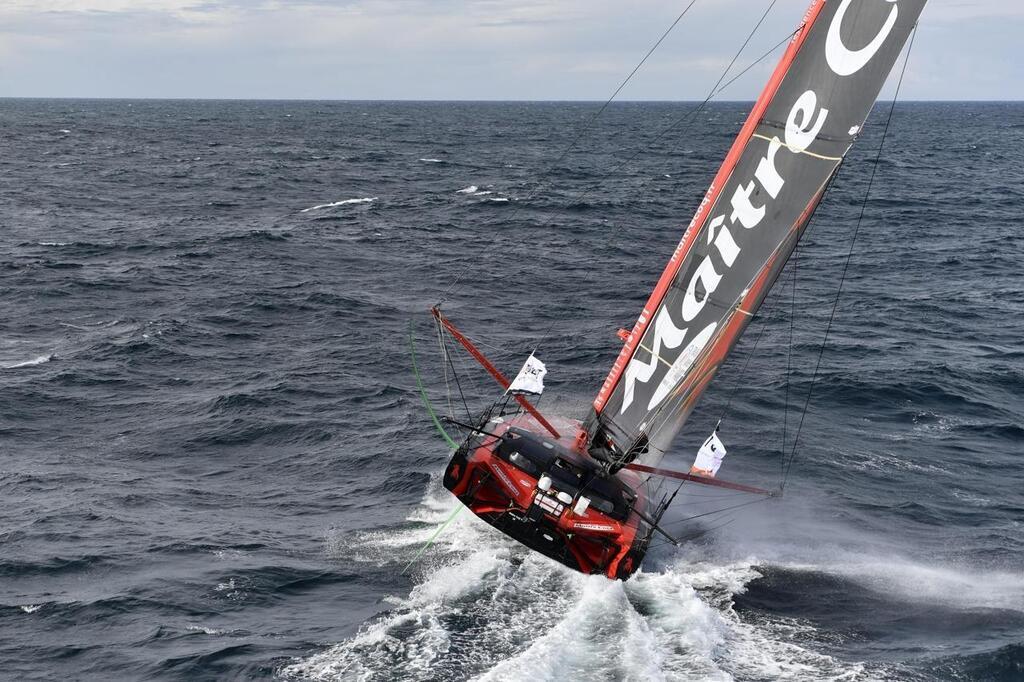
x: 750, y: 220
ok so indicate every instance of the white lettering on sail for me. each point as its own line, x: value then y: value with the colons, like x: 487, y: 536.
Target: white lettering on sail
x: 767, y: 174
x: 798, y: 136
x: 803, y: 125
x: 725, y: 244
x: 709, y: 279
x: 666, y: 333
x: 841, y: 59
x: 682, y: 365
x: 742, y: 208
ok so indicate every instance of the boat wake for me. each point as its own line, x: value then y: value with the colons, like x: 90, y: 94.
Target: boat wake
x: 485, y: 608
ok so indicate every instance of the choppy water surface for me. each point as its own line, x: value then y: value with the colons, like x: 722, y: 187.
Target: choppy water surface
x: 214, y: 463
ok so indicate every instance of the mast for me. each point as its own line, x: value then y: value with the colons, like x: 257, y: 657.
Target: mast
x: 750, y: 220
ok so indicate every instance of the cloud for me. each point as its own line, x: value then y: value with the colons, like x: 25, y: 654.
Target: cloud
x: 976, y: 9
x: 450, y: 49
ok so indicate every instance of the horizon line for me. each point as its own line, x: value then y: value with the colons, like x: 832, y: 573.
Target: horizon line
x: 456, y: 101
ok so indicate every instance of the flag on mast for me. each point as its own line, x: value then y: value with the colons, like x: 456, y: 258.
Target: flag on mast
x: 530, y: 378
x: 709, y: 457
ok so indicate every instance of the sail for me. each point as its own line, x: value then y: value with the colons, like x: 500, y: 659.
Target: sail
x: 750, y: 220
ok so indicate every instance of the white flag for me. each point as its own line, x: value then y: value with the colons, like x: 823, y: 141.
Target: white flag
x: 709, y: 457
x: 530, y: 378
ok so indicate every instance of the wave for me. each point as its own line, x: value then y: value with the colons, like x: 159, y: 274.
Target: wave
x: 1003, y: 664
x: 487, y: 609
x: 475, y: 191
x: 345, y: 202
x: 956, y: 587
x: 31, y: 363
x: 205, y: 630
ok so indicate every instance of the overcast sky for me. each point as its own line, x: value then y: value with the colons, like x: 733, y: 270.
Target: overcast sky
x: 455, y: 49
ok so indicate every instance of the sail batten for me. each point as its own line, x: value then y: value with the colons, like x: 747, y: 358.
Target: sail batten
x: 750, y: 220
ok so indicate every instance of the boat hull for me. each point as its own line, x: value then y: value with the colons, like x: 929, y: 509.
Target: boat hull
x: 552, y: 497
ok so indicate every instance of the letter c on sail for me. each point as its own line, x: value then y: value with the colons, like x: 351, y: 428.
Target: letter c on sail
x: 842, y: 59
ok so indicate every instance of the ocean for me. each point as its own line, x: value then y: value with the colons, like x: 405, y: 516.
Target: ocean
x: 214, y: 463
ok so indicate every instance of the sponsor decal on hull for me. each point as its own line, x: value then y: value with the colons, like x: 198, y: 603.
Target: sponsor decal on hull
x: 599, y: 527
x: 506, y: 480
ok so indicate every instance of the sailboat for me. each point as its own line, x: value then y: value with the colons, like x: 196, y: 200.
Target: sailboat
x: 580, y: 492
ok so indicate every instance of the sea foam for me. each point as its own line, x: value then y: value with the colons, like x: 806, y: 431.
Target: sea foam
x: 535, y: 619
x: 29, y: 363
x: 344, y: 202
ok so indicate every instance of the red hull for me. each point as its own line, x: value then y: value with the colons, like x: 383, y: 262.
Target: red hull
x: 551, y: 496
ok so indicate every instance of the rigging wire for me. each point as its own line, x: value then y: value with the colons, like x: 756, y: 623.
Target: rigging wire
x: 699, y: 534
x: 738, y: 383
x: 769, y: 307
x: 670, y: 406
x: 579, y: 136
x: 789, y: 364
x: 686, y: 117
x: 423, y: 391
x: 445, y: 364
x: 697, y: 499
x: 849, y: 257
x: 458, y: 384
x: 718, y: 511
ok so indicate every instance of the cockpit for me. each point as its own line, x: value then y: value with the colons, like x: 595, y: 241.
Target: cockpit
x: 569, y: 472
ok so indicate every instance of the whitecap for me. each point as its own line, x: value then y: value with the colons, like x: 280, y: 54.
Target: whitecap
x: 431, y: 160
x: 31, y: 608
x: 30, y: 363
x: 54, y: 243
x: 344, y: 202
x: 472, y: 189
x: 204, y: 630
x: 535, y: 619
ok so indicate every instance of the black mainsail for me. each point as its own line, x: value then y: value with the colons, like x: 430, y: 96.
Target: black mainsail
x: 750, y: 220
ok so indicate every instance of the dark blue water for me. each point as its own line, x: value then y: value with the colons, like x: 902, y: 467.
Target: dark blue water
x: 214, y: 464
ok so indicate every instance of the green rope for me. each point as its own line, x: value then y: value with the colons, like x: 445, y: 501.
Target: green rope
x: 423, y: 392
x: 433, y: 537
x: 444, y: 434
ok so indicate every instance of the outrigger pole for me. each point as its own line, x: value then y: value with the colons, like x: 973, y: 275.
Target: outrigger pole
x: 491, y: 369
x: 704, y: 480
